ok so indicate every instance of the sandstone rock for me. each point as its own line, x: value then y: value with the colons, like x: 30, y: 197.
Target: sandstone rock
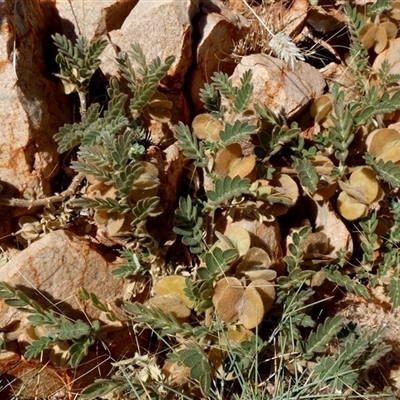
x: 219, y: 28
x: 289, y: 18
x: 162, y: 28
x: 340, y: 74
x: 92, y: 18
x: 282, y: 90
x: 52, y: 270
x: 324, y: 219
x: 32, y: 106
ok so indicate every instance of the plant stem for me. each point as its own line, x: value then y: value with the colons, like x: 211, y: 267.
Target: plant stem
x: 46, y: 201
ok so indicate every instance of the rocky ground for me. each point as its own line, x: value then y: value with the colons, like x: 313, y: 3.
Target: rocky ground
x: 50, y: 250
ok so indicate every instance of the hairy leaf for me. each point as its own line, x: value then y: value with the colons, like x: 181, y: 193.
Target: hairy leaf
x: 99, y: 389
x: 99, y: 203
x: 394, y: 291
x: 223, y: 84
x: 194, y: 358
x: 227, y: 188
x: 143, y: 209
x: 72, y: 329
x: 37, y: 346
x: 349, y: 284
x: 209, y: 97
x: 307, y: 174
x: 191, y: 147
x: 244, y: 92
x: 235, y: 132
x: 388, y: 171
x: 166, y: 325
x: 325, y: 332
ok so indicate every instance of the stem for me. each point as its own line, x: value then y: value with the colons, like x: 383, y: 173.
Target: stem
x: 82, y: 101
x: 259, y: 19
x: 46, y: 201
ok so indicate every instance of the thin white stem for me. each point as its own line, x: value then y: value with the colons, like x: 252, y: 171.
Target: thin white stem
x: 259, y: 19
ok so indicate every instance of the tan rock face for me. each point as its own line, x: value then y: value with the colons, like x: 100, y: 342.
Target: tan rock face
x: 32, y: 106
x: 219, y: 28
x: 52, y: 270
x: 282, y: 90
x: 162, y: 28
x: 92, y: 19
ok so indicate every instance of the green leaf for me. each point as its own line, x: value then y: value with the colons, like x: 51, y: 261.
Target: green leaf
x: 77, y: 351
x: 387, y: 171
x: 235, y: 132
x: 99, y: 173
x: 15, y: 302
x: 132, y: 266
x: 189, y: 225
x: 39, y: 319
x: 345, y: 281
x: 228, y: 188
x: 335, y: 374
x: 244, y: 92
x: 378, y: 7
x: 37, y: 346
x: 394, y: 291
x: 209, y: 97
x: 78, y: 62
x: 73, y: 329
x: 191, y: 147
x: 216, y: 262
x: 362, y: 117
x: 99, y: 203
x: 307, y: 174
x: 143, y: 86
x: 194, y: 358
x: 325, y: 332
x: 163, y: 323
x: 143, y: 209
x: 125, y: 180
x: 223, y: 84
x: 100, y: 388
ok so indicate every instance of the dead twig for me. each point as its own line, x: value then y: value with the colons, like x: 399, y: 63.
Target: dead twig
x: 46, y: 201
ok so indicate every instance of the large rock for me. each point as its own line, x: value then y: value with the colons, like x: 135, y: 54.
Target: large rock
x: 52, y: 270
x: 92, y: 19
x: 219, y: 29
x: 162, y: 28
x: 32, y: 105
x: 277, y: 87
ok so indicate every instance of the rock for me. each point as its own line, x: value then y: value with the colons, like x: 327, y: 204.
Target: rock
x: 341, y: 75
x: 277, y: 87
x: 162, y: 29
x: 219, y: 29
x: 324, y: 219
x: 32, y: 105
x: 289, y: 18
x: 52, y: 270
x: 92, y: 19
